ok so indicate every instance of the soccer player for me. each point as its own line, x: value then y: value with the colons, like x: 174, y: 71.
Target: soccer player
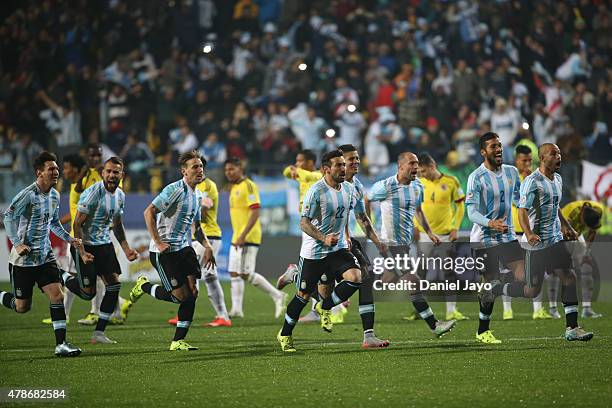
x: 443, y: 206
x: 585, y: 218
x: 523, y: 162
x: 74, y: 167
x: 491, y: 189
x: 545, y: 229
x: 89, y: 177
x: 210, y: 204
x: 324, y: 254
x: 244, y: 206
x: 170, y: 218
x: 401, y: 196
x: 100, y: 207
x: 366, y: 291
x: 32, y: 214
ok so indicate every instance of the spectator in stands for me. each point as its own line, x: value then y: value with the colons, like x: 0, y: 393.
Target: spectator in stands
x: 138, y: 158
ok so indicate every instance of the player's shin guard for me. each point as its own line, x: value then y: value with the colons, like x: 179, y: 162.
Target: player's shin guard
x: 513, y: 289
x: 586, y: 282
x: 292, y: 315
x: 185, y: 317
x: 569, y: 296
x: 237, y: 293
x: 58, y: 318
x: 341, y: 293
x: 216, y: 296
x: 158, y: 292
x: 553, y: 290
x: 73, y: 285
x: 109, y: 301
x: 8, y: 300
x: 484, y: 317
x: 366, y: 304
x: 423, y: 309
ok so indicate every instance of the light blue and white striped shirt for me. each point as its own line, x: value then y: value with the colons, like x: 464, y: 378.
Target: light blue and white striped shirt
x: 102, y: 207
x: 328, y: 209
x: 399, y: 203
x: 492, y: 194
x: 180, y: 207
x: 541, y: 196
x: 28, y: 220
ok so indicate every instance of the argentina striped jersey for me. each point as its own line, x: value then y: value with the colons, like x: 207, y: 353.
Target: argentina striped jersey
x: 179, y: 207
x: 491, y: 194
x: 28, y: 220
x: 328, y: 209
x: 398, y: 206
x: 541, y: 196
x: 101, y: 206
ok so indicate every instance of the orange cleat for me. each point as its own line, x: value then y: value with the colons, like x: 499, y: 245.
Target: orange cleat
x: 173, y: 321
x: 219, y: 322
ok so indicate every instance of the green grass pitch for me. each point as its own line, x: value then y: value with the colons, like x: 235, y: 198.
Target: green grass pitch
x: 243, y: 366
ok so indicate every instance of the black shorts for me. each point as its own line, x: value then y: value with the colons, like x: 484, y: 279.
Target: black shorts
x: 23, y: 278
x: 362, y: 257
x: 174, y: 267
x: 105, y: 263
x: 503, y: 253
x: 549, y: 259
x: 325, y: 270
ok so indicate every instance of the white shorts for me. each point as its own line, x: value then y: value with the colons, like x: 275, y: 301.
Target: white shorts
x: 199, y: 250
x: 242, y: 260
x: 66, y: 262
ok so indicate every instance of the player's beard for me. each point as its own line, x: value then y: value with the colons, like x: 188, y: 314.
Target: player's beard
x: 111, y: 186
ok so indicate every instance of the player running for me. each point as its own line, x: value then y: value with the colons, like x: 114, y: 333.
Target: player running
x: 324, y: 255
x: 401, y: 196
x: 545, y: 229
x: 32, y: 214
x: 100, y: 207
x: 170, y: 218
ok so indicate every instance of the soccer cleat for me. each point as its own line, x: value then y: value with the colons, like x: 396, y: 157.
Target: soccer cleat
x: 280, y: 304
x: 412, y: 317
x: 49, y: 321
x: 374, y: 342
x: 554, y: 313
x: 338, y: 317
x: 137, y: 292
x: 287, y: 277
x: 89, y: 320
x: 173, y: 321
x: 219, y: 322
x: 577, y: 333
x: 487, y: 338
x: 443, y: 327
x: 325, y: 315
x: 67, y: 350
x: 116, y: 321
x: 181, y: 345
x: 456, y: 315
x: 100, y: 338
x: 310, y: 317
x: 508, y: 314
x: 587, y: 313
x: 236, y: 313
x: 541, y: 315
x: 125, y: 308
x: 286, y: 343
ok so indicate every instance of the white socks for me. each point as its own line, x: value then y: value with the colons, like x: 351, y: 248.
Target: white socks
x: 216, y: 296
x: 237, y: 294
x: 262, y: 283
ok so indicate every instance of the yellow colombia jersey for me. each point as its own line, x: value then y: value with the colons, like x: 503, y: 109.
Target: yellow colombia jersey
x: 305, y: 179
x: 91, y: 177
x: 515, y: 219
x: 438, y: 198
x: 571, y: 212
x: 209, y: 218
x: 244, y: 195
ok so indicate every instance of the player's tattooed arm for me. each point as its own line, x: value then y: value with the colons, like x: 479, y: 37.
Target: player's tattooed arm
x: 209, y: 258
x: 366, y: 225
x: 150, y: 216
x: 311, y: 230
x: 119, y: 232
x: 77, y: 227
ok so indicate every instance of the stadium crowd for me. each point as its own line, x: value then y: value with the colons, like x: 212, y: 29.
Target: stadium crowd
x: 260, y: 79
